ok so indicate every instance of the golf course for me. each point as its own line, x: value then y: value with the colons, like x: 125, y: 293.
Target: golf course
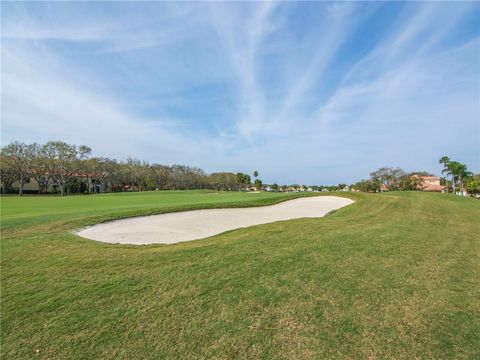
x: 393, y: 275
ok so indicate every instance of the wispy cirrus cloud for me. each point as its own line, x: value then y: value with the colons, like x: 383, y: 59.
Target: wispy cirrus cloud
x: 39, y: 104
x: 128, y: 30
x: 312, y: 92
x: 408, y: 103
x: 241, y: 38
x: 338, y: 25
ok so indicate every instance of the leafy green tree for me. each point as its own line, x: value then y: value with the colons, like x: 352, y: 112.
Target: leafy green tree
x: 411, y: 181
x: 242, y: 180
x: 100, y: 174
x: 389, y: 177
x: 64, y: 161
x: 39, y: 170
x: 473, y: 184
x: 367, y: 186
x: 18, y: 156
x: 8, y: 174
x: 222, y: 181
x: 136, y: 171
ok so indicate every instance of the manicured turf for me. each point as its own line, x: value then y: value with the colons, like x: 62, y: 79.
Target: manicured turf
x: 392, y: 276
x: 47, y: 209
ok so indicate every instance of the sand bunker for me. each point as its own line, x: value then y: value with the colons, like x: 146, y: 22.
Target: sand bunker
x: 177, y: 227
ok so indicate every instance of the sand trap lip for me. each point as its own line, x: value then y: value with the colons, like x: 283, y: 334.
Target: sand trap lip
x: 171, y: 228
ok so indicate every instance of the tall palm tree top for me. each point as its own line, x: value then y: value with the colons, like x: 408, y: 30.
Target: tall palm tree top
x: 444, y: 160
x: 448, y: 165
x: 457, y: 170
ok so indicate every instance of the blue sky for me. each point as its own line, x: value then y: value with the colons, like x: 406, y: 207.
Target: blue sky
x: 315, y: 93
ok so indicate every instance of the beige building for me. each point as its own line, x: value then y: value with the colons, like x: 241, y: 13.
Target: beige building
x: 31, y: 185
x: 430, y: 183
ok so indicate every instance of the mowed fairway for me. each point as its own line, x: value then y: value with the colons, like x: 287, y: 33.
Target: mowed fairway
x: 393, y: 275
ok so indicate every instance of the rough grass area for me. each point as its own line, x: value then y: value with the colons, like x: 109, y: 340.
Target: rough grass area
x: 392, y: 276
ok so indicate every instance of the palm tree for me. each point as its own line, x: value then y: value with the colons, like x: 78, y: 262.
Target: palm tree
x: 453, y: 170
x: 255, y: 174
x: 458, y: 172
x: 462, y: 173
x: 445, y: 160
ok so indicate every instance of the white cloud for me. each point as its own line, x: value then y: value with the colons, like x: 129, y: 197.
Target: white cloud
x: 40, y: 103
x: 406, y: 102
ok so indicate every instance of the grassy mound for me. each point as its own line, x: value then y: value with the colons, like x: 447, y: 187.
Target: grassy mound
x: 392, y: 276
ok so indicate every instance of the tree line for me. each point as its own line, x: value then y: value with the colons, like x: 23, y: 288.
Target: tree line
x: 458, y: 179
x: 457, y: 175
x: 392, y: 179
x: 68, y: 168
x: 65, y: 168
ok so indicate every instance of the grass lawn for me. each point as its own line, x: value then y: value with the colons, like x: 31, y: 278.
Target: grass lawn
x: 392, y: 276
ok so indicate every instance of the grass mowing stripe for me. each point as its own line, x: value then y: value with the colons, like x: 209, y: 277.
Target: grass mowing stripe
x: 391, y: 276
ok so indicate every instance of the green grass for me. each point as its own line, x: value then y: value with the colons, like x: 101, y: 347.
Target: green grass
x: 30, y: 210
x: 392, y: 276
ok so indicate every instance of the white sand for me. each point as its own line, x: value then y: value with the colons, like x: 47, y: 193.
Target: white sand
x: 177, y: 227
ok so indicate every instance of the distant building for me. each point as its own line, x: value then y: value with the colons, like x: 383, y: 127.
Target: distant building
x: 430, y: 183
x: 31, y: 185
